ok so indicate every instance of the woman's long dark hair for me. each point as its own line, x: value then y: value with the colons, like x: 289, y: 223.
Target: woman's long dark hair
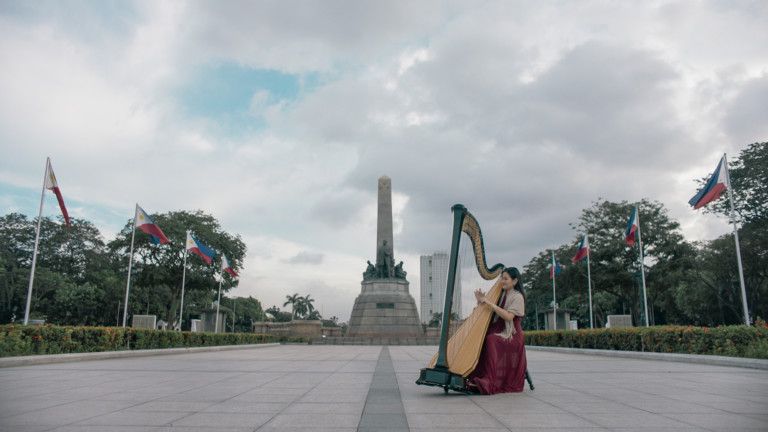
x: 514, y: 273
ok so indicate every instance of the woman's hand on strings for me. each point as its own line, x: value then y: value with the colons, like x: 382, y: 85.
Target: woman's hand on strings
x: 480, y: 296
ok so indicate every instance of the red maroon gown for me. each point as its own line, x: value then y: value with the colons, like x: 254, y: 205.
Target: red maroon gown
x: 502, y: 364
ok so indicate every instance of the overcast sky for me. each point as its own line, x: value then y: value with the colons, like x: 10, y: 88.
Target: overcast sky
x: 278, y: 117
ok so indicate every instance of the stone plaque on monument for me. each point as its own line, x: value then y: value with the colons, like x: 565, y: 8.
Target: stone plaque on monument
x: 385, y: 306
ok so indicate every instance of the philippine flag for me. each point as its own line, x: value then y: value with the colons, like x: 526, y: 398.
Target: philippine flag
x: 555, y: 269
x: 630, y: 234
x: 199, y: 249
x: 583, y: 251
x: 146, y: 224
x: 52, y: 185
x: 716, y: 185
x: 226, y: 267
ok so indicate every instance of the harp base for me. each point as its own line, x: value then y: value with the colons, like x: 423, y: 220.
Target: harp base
x: 442, y: 377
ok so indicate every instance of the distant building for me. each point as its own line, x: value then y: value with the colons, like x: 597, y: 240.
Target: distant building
x: 434, y: 280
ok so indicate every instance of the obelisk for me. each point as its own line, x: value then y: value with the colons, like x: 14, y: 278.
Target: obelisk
x: 384, y: 241
x: 385, y: 308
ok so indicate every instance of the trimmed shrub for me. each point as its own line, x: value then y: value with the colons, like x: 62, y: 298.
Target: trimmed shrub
x: 18, y: 340
x: 734, y: 341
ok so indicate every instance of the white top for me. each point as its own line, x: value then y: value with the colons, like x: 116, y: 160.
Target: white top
x: 515, y: 303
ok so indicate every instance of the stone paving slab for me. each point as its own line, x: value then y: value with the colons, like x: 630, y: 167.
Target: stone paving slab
x: 672, y: 357
x: 583, y: 392
x: 73, y: 357
x: 371, y: 388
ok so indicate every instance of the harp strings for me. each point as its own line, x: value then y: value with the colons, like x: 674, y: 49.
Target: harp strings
x: 471, y: 279
x: 466, y: 264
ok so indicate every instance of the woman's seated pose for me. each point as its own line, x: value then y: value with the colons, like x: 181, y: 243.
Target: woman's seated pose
x: 502, y: 364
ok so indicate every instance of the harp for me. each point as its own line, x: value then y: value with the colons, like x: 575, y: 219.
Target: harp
x: 457, y: 358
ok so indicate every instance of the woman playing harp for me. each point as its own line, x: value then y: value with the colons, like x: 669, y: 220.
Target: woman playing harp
x: 502, y: 364
x: 492, y: 329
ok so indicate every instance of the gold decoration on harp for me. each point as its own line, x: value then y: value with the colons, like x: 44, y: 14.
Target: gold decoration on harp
x: 472, y: 228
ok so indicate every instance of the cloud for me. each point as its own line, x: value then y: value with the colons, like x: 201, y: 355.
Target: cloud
x: 305, y: 36
x: 746, y: 118
x: 525, y: 113
x: 305, y: 257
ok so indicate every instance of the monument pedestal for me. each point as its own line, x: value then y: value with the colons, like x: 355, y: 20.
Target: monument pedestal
x: 385, y: 308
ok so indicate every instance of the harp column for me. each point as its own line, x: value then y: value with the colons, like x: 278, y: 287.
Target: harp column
x: 385, y: 307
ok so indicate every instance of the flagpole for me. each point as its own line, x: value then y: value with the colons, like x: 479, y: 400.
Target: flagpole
x: 218, y: 303
x: 234, y: 305
x: 642, y: 267
x: 37, y: 241
x: 589, y: 283
x: 130, y: 265
x: 554, y: 293
x: 183, y: 282
x: 738, y: 248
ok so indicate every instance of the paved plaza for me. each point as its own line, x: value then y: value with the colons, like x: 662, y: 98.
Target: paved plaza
x: 371, y: 388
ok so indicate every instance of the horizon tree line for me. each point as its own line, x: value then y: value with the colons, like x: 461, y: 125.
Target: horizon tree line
x: 80, y: 278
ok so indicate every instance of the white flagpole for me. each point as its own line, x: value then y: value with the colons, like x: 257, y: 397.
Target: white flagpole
x: 130, y: 265
x: 183, y: 282
x: 738, y: 248
x: 642, y: 267
x: 554, y: 293
x: 218, y: 303
x: 589, y: 283
x: 37, y: 241
x: 234, y: 305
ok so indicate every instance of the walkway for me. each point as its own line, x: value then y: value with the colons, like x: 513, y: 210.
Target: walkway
x: 371, y: 388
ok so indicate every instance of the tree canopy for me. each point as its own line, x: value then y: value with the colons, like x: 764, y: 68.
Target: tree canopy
x: 81, y: 280
x: 160, y: 267
x: 687, y: 283
x: 749, y: 183
x: 718, y: 269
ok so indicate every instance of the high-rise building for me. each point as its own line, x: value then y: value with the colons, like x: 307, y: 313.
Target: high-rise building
x: 434, y: 280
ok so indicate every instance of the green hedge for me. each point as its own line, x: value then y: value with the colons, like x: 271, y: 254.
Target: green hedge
x: 17, y: 340
x: 734, y: 341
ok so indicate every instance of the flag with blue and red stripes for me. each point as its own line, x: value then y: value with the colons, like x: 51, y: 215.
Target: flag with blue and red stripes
x: 555, y: 269
x: 143, y: 222
x: 199, y: 249
x: 583, y: 250
x: 716, y: 185
x: 630, y: 234
x: 52, y: 185
x: 225, y: 266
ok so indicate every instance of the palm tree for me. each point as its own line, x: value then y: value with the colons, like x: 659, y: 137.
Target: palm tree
x: 293, y: 300
x: 308, y: 301
x: 301, y: 307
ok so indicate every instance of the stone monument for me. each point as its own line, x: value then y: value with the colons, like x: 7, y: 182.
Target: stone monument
x: 384, y: 307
